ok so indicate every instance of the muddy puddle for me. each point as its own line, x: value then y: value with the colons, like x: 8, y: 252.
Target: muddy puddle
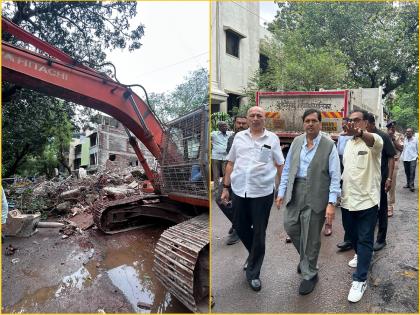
x: 124, y: 261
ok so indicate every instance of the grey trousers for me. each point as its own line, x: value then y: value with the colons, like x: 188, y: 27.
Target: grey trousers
x: 304, y: 227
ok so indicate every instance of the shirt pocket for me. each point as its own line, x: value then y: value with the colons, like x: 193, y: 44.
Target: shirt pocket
x: 362, y: 159
x: 264, y: 155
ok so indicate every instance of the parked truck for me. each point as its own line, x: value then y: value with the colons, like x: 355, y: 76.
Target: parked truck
x: 284, y: 109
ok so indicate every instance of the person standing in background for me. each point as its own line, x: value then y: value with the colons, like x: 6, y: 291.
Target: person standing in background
x: 387, y: 168
x: 219, y: 139
x: 398, y: 141
x: 409, y: 156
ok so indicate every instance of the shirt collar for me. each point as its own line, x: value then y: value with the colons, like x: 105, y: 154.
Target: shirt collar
x: 316, y: 140
x: 248, y: 132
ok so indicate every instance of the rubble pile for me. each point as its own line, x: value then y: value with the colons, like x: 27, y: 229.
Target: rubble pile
x: 71, y: 196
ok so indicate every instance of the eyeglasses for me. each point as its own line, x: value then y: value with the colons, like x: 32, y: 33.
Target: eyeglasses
x: 356, y: 120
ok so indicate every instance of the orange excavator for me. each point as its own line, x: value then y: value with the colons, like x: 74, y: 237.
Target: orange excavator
x: 181, y: 258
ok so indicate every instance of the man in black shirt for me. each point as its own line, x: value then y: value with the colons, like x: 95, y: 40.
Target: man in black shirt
x: 387, y: 169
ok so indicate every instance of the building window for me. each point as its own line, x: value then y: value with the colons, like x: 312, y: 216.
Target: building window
x: 77, y: 163
x: 263, y: 63
x: 112, y: 157
x: 93, y: 138
x: 233, y: 101
x: 92, y: 159
x: 232, y: 43
x: 215, y: 108
x: 78, y: 149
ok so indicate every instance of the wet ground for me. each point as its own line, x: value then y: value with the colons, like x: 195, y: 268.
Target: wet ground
x: 392, y: 283
x: 87, y: 273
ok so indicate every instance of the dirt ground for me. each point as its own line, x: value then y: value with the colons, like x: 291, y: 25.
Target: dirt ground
x: 88, y: 273
x: 392, y: 283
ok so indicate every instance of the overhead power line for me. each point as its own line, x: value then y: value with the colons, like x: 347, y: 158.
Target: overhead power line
x: 174, y: 64
x: 252, y: 12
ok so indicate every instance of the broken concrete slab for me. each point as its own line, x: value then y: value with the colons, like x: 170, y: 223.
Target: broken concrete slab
x: 64, y: 206
x: 83, y: 220
x: 21, y: 225
x: 133, y: 185
x: 71, y: 194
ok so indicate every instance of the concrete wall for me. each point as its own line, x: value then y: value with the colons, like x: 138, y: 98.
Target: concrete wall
x: 111, y: 140
x: 229, y: 73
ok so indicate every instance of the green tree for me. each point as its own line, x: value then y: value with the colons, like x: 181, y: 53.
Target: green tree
x: 84, y: 30
x: 27, y: 124
x: 187, y: 96
x: 295, y: 67
x: 380, y: 40
x: 404, y: 105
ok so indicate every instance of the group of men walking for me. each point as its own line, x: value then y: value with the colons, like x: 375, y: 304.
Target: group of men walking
x: 313, y: 177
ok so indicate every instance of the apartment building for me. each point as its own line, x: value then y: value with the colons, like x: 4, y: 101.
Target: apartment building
x: 236, y: 36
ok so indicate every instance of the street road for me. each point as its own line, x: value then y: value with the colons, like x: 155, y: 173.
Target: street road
x: 393, y: 278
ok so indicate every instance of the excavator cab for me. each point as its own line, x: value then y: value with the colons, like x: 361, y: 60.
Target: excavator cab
x: 185, y: 175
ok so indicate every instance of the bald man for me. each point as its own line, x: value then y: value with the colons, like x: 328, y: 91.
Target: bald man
x: 254, y: 161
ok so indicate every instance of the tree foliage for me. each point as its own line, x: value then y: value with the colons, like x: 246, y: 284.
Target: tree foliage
x: 187, y: 96
x: 37, y: 128
x: 84, y: 30
x: 294, y: 67
x: 30, y: 123
x: 404, y: 106
x: 380, y: 40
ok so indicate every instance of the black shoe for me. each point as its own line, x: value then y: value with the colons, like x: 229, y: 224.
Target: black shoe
x: 406, y: 186
x: 233, y: 238
x: 230, y: 230
x: 246, y: 264
x: 307, y: 286
x: 255, y: 284
x: 288, y: 239
x: 412, y: 189
x: 298, y: 269
x: 378, y: 246
x: 343, y: 246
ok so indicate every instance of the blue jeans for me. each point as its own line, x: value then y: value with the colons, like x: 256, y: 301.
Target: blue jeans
x: 361, y: 229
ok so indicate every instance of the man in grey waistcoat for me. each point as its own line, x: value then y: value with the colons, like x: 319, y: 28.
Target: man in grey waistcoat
x: 309, y: 187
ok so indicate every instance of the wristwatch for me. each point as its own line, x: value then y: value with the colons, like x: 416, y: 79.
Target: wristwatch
x: 226, y: 186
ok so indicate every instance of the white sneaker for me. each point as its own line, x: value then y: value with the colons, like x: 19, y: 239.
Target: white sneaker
x: 356, y: 291
x: 353, y: 262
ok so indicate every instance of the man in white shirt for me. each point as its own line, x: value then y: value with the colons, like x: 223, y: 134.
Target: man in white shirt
x: 253, y: 163
x: 219, y: 140
x: 409, y: 156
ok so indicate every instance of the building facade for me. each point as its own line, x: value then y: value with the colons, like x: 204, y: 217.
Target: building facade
x: 236, y: 35
x: 108, y: 141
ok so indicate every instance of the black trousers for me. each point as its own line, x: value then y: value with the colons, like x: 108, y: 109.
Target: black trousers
x: 343, y: 216
x: 382, y: 214
x: 250, y: 220
x: 410, y: 172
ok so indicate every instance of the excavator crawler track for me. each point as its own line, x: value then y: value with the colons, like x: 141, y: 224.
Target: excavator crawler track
x: 134, y: 212
x: 182, y: 262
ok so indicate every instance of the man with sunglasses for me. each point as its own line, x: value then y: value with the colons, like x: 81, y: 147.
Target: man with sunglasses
x: 361, y: 195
